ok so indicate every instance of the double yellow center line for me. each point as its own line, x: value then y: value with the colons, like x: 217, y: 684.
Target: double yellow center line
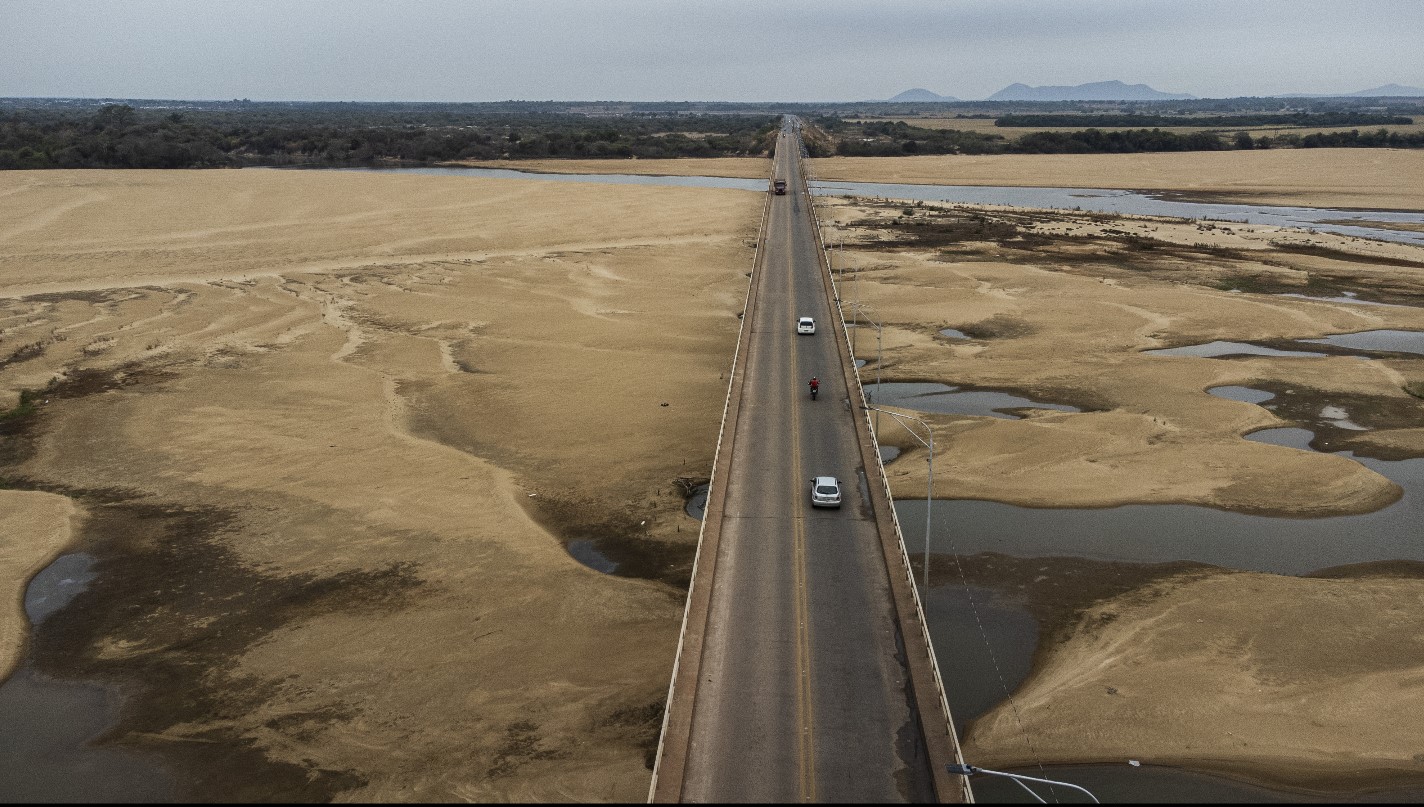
x: 805, y: 715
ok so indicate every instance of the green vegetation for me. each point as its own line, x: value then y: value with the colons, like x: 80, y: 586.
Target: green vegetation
x: 22, y: 353
x: 23, y: 409
x: 898, y: 138
x: 68, y: 133
x: 1319, y: 119
x: 234, y: 134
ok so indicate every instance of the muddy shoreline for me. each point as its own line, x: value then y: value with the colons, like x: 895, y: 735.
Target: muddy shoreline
x: 141, y: 548
x: 1057, y: 591
x: 304, y: 590
x: 285, y: 531
x: 1061, y: 307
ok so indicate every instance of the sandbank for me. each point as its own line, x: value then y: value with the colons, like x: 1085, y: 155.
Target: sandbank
x: 342, y: 425
x: 1287, y: 681
x: 1067, y: 317
x: 736, y: 167
x: 34, y: 527
x: 1385, y: 179
x: 1294, y: 681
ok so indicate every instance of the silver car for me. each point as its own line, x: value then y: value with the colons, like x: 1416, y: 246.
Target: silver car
x: 825, y: 492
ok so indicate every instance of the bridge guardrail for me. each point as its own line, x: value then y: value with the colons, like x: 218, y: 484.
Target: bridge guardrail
x: 944, y: 784
x: 698, y: 599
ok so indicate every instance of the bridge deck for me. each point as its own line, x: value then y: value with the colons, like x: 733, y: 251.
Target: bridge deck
x: 800, y: 668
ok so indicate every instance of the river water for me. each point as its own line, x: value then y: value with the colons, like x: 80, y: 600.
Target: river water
x: 1103, y: 200
x: 1094, y: 199
x: 995, y: 640
x: 48, y: 726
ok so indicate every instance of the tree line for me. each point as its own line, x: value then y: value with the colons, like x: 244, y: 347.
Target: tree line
x: 1319, y: 119
x: 81, y: 134
x: 896, y: 138
x: 122, y: 136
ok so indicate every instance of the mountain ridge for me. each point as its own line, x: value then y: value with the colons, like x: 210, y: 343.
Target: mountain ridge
x: 1382, y: 91
x: 922, y: 94
x: 1093, y: 91
x: 1115, y: 90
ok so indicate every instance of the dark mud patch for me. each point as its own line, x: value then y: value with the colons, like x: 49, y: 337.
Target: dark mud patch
x: 1396, y: 569
x: 168, y: 613
x: 617, y: 540
x: 1311, y: 409
x: 643, y: 724
x: 1056, y: 590
x: 1340, y: 277
x: 920, y: 227
x: 1329, y: 349
x: 521, y: 745
x: 962, y: 234
x: 620, y: 537
x: 23, y: 353
x: 96, y: 296
x: 937, y: 230
x: 1000, y: 326
x: 996, y: 618
x: 20, y: 425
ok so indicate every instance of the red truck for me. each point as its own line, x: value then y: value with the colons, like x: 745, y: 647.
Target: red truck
x: 778, y: 187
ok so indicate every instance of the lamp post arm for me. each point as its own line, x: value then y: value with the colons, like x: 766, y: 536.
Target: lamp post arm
x: 967, y: 770
x: 929, y: 482
x: 901, y: 417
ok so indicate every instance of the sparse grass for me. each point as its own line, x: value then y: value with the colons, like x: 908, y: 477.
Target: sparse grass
x: 998, y: 327
x: 1246, y: 283
x: 23, y: 409
x: 23, y: 353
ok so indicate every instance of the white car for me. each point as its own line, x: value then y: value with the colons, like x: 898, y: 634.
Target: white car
x: 825, y: 492
x: 806, y: 325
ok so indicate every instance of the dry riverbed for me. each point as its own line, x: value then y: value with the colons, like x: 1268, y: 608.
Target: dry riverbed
x: 1292, y: 681
x: 327, y: 435
x: 736, y: 167
x: 1387, y: 179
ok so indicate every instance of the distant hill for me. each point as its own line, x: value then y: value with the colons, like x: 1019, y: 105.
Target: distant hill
x: 1385, y: 91
x: 1388, y: 90
x: 918, y: 94
x: 1095, y: 91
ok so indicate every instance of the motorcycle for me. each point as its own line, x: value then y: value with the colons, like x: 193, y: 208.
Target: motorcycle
x: 814, y: 390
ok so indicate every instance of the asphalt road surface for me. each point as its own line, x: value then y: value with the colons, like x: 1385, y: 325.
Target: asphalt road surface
x: 803, y: 693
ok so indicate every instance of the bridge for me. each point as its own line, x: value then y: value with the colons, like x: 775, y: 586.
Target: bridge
x: 804, y: 671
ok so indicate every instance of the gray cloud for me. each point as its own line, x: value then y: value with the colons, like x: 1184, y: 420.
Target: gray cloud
x: 657, y: 50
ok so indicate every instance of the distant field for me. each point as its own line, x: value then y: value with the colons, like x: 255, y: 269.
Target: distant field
x: 986, y: 126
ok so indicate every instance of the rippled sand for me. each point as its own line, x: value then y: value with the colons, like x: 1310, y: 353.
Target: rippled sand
x: 1387, y: 179
x: 1294, y: 682
x: 329, y: 431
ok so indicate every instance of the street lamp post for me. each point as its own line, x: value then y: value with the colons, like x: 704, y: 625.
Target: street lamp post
x: 1019, y: 779
x: 855, y: 278
x: 878, y: 343
x: 929, y: 486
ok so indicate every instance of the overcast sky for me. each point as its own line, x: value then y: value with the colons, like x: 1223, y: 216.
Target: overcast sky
x: 653, y: 50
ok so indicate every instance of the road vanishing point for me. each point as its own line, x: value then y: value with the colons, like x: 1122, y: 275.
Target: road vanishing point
x: 804, y: 672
